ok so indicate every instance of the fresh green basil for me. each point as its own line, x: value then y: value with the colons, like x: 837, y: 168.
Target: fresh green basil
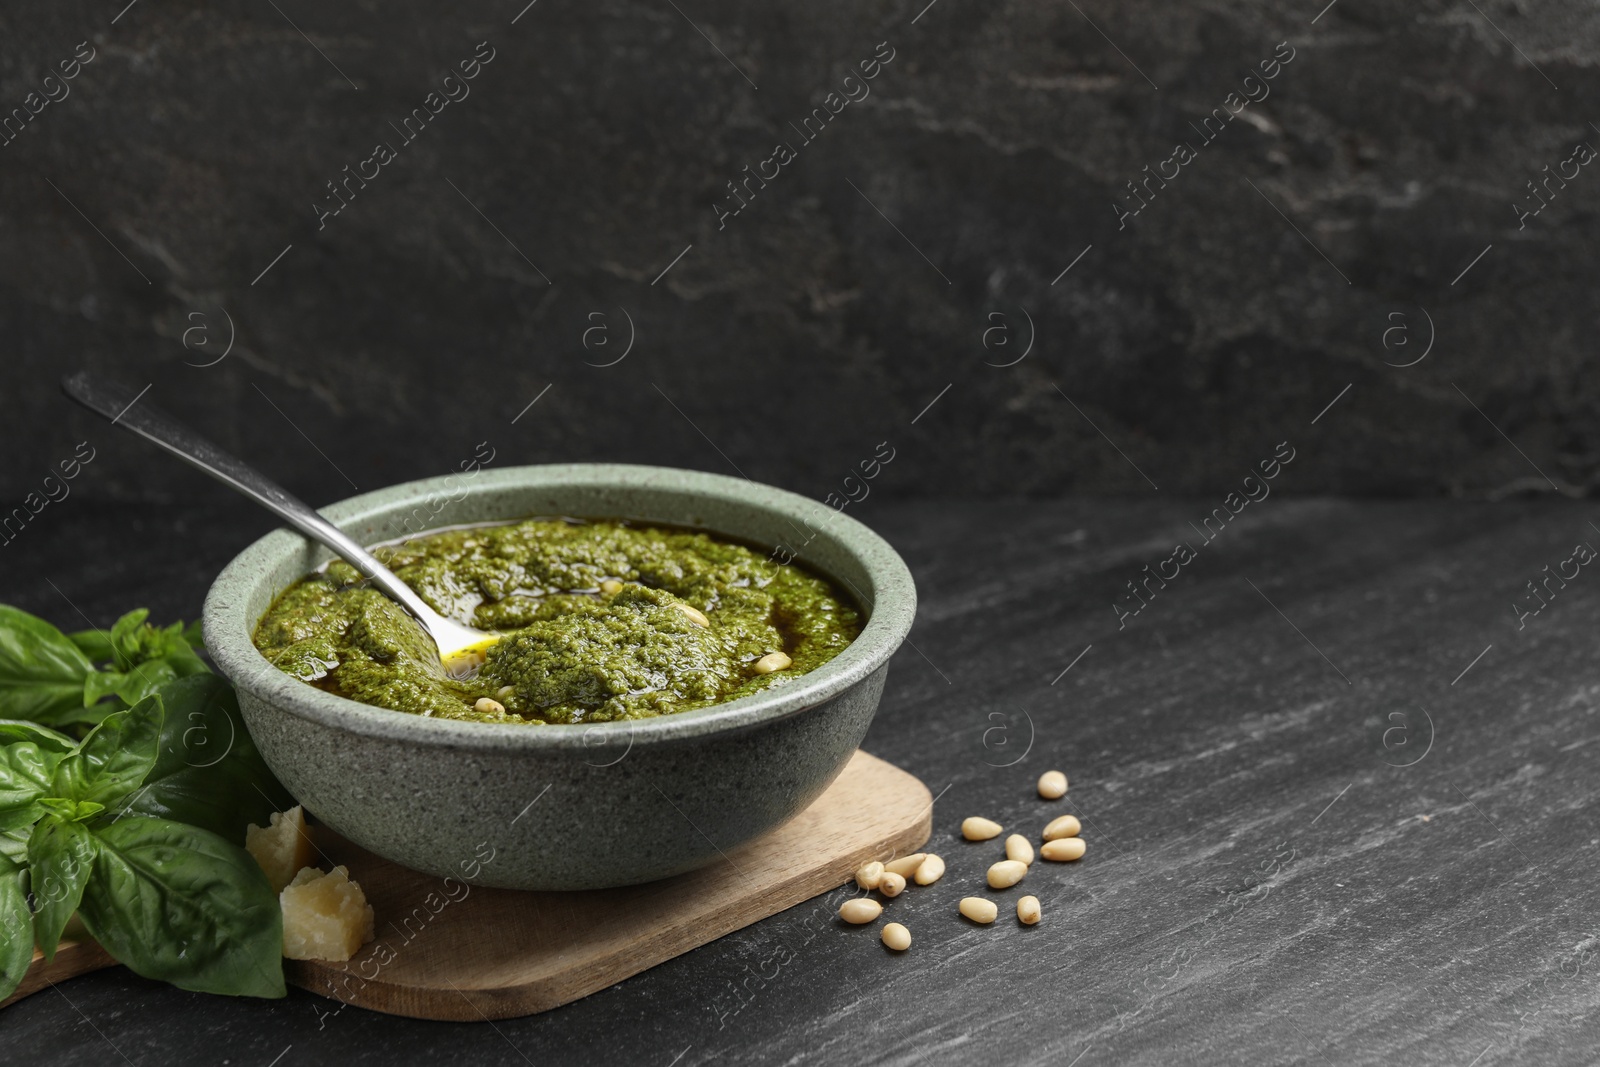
x: 114, y: 758
x: 41, y: 672
x: 26, y: 774
x: 129, y: 686
x: 143, y: 658
x: 71, y: 810
x: 29, y: 754
x: 60, y: 854
x: 96, y: 644
x: 133, y: 641
x: 46, y: 738
x: 130, y: 827
x: 16, y: 925
x: 209, y: 772
x: 50, y: 677
x: 14, y: 845
x: 178, y: 903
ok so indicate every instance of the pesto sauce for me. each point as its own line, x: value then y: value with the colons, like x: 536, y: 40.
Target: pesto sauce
x: 571, y: 653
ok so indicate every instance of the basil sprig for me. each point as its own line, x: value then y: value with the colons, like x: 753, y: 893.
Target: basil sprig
x: 133, y: 829
x: 61, y: 679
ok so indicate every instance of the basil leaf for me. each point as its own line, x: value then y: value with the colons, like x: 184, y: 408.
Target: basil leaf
x: 60, y: 857
x: 26, y: 775
x: 181, y: 905
x: 209, y: 773
x: 130, y: 686
x: 16, y: 926
x: 52, y: 740
x: 14, y: 845
x: 125, y: 635
x: 142, y: 659
x: 41, y: 671
x: 96, y: 644
x: 29, y: 754
x: 71, y: 810
x: 182, y: 659
x: 102, y: 684
x: 115, y: 757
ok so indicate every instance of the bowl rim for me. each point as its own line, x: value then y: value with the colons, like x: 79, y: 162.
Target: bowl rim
x: 891, y: 611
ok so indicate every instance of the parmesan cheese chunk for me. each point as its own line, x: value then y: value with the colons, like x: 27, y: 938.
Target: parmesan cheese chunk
x: 282, y: 847
x: 325, y: 916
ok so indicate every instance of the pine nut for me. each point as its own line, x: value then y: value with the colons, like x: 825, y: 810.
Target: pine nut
x: 772, y: 661
x: 1064, y: 826
x: 1018, y: 848
x: 1063, y: 850
x: 1052, y: 785
x: 978, y: 828
x: 696, y: 616
x: 906, y: 866
x: 611, y: 587
x: 505, y: 691
x: 929, y: 870
x: 1006, y: 873
x: 486, y: 706
x: 1028, y: 910
x: 860, y: 910
x: 868, y: 875
x: 979, y: 910
x: 897, y: 937
x: 891, y: 884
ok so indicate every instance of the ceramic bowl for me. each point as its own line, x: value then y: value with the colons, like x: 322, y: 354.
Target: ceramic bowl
x: 579, y: 806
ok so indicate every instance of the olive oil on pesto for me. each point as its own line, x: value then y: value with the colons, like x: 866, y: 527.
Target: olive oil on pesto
x: 573, y: 650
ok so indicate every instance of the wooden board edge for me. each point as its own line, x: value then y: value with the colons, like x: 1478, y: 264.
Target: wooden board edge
x: 391, y: 998
x: 487, y: 1005
x: 72, y: 959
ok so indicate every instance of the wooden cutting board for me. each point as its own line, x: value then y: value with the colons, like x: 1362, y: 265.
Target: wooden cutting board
x: 501, y: 953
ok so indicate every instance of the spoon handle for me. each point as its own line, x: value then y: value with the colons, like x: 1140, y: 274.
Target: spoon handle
x: 128, y: 411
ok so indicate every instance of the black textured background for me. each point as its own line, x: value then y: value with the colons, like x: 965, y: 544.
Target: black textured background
x: 1274, y: 876
x: 387, y: 345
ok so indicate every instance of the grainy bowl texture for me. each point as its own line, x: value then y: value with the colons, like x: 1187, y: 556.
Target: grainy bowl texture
x: 566, y: 807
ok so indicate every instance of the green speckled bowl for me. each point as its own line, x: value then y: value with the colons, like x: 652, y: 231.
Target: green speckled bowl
x: 566, y: 807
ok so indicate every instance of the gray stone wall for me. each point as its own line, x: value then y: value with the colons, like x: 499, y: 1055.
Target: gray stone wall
x: 968, y: 203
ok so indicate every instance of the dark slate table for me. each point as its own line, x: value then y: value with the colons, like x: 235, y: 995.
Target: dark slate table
x: 1338, y: 798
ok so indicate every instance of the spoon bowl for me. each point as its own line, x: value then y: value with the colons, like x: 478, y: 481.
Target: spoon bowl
x: 461, y: 648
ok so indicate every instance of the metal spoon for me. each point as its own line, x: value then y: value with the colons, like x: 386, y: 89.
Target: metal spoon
x: 461, y: 648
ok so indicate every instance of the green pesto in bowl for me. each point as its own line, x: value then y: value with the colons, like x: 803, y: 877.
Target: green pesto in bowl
x: 601, y: 620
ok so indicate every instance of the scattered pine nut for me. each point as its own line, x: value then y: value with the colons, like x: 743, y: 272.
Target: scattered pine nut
x: 611, y: 587
x: 906, y: 866
x: 929, y: 870
x: 487, y: 706
x: 978, y: 828
x: 896, y: 937
x: 979, y: 910
x: 1052, y: 785
x: 505, y: 691
x: 1018, y: 848
x: 1062, y: 826
x: 1028, y: 910
x: 772, y: 661
x: 869, y: 875
x: 696, y: 616
x: 1006, y: 873
x: 891, y: 884
x: 1063, y: 850
x: 860, y: 910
